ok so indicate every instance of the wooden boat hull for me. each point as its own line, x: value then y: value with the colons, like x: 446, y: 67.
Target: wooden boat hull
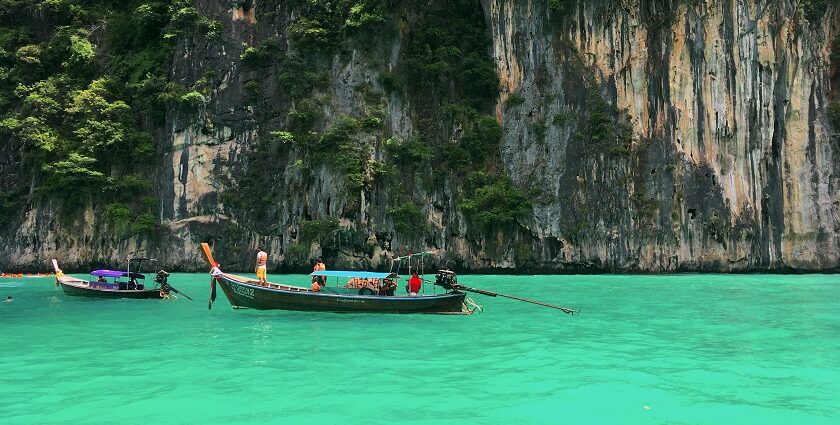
x: 77, y: 289
x: 245, y: 294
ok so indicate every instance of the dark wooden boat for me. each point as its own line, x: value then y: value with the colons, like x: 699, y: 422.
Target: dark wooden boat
x: 122, y: 284
x: 243, y: 292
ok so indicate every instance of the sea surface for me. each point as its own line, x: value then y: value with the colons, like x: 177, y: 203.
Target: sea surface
x: 673, y: 349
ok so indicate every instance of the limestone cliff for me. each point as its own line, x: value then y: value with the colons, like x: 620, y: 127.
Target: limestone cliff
x: 731, y: 144
x: 643, y: 135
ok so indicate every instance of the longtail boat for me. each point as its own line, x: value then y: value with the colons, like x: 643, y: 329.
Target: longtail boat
x: 376, y: 295
x: 115, y: 283
x: 362, y: 292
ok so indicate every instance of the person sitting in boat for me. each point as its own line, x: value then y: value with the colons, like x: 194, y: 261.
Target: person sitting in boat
x: 318, y: 267
x: 260, y: 267
x: 389, y: 287
x: 101, y: 279
x: 414, y: 284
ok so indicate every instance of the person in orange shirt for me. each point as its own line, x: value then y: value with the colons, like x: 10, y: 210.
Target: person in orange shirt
x: 260, y: 268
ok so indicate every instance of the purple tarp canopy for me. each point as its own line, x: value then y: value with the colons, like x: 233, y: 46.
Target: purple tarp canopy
x: 116, y: 273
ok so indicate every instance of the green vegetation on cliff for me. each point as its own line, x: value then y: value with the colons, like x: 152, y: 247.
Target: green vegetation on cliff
x: 444, y: 71
x: 83, y: 91
x: 448, y: 74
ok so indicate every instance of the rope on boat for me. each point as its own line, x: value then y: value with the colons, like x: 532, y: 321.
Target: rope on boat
x: 468, y: 302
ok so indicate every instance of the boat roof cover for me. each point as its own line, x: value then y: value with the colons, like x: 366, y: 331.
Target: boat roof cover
x: 345, y: 273
x: 116, y: 273
x: 417, y: 254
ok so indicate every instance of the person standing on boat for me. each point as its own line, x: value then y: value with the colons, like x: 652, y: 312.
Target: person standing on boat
x: 262, y: 260
x: 414, y: 284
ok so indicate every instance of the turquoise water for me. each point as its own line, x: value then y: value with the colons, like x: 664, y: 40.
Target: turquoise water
x: 687, y: 349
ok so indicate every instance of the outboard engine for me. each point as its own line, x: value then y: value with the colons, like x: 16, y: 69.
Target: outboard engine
x: 162, y: 278
x: 445, y: 279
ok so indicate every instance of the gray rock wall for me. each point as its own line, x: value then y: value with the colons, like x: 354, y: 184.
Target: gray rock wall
x: 729, y: 162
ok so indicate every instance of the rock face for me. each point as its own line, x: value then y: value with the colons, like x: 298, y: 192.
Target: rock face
x: 727, y: 102
x: 651, y: 136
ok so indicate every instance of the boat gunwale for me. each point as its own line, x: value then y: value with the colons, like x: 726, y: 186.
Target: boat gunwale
x: 250, y: 282
x: 305, y: 291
